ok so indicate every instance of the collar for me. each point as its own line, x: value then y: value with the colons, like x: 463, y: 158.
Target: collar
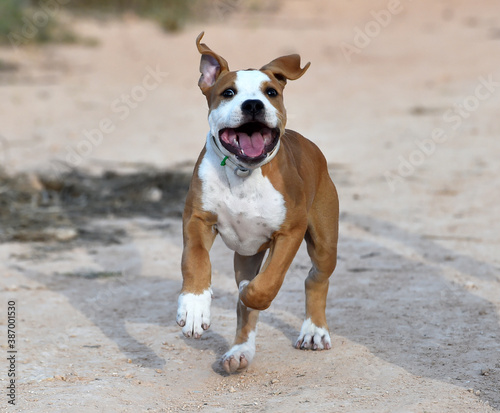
x: 231, y: 160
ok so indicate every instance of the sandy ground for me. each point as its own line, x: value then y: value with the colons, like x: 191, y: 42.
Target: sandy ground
x: 409, y: 124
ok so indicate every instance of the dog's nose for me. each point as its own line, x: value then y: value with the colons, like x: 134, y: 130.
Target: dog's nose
x: 252, y: 106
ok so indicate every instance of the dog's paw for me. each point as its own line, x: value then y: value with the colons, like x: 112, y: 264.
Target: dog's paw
x: 313, y: 337
x: 193, y: 313
x: 240, y: 355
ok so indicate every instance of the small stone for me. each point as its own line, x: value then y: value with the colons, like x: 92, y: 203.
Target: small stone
x: 478, y: 392
x: 232, y: 389
x: 485, y: 372
x: 65, y: 234
x: 274, y: 381
x: 470, y: 285
x: 153, y: 195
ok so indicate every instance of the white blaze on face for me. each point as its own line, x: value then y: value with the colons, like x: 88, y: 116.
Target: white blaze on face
x: 248, y: 85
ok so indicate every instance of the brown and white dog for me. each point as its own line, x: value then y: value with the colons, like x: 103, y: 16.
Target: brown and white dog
x: 262, y: 188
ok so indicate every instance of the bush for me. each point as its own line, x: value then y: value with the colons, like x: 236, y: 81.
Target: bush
x: 170, y: 14
x: 11, y: 14
x: 18, y: 25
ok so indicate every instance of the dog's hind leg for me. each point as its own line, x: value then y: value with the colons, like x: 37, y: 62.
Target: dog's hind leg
x: 321, y: 238
x: 243, y: 350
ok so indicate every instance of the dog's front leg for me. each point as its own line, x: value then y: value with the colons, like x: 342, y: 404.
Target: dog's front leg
x: 261, y: 291
x: 243, y: 350
x: 193, y: 311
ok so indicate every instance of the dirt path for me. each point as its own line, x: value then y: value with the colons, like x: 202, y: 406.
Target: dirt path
x: 409, y: 123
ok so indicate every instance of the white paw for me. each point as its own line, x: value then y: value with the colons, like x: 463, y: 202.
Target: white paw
x: 240, y: 355
x: 313, y: 337
x: 193, y: 313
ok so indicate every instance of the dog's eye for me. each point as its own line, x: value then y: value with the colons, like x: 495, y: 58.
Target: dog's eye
x: 272, y: 92
x: 228, y: 93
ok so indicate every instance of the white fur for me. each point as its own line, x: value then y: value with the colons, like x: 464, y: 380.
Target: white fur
x: 248, y: 86
x: 249, y: 209
x: 312, y: 334
x: 194, y: 311
x: 242, y: 285
x: 247, y: 349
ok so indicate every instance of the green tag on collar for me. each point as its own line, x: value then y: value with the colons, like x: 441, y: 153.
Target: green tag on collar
x: 223, y: 163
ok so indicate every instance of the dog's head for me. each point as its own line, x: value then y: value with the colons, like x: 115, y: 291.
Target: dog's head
x: 247, y: 116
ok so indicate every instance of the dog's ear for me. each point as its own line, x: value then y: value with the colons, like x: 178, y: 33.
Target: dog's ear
x: 211, y: 65
x: 286, y: 68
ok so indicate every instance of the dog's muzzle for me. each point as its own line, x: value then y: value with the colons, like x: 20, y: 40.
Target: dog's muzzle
x: 250, y: 142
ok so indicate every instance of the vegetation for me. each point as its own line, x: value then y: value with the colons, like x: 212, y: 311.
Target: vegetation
x: 11, y: 14
x: 22, y: 23
x: 170, y: 14
x: 39, y: 21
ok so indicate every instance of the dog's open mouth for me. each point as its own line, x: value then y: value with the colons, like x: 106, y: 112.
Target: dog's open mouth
x: 250, y: 142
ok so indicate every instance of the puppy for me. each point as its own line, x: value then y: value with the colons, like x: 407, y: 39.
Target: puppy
x: 262, y: 188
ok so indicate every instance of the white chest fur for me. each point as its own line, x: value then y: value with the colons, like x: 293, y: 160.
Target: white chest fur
x: 248, y: 209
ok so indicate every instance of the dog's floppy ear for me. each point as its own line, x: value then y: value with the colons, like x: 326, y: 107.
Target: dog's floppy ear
x: 286, y: 68
x: 211, y: 65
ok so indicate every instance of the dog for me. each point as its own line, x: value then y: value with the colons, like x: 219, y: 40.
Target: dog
x: 262, y: 188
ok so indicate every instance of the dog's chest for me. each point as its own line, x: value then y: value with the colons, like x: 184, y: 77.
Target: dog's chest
x: 248, y: 209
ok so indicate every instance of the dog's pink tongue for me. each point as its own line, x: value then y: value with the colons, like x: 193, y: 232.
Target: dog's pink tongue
x: 253, y: 146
